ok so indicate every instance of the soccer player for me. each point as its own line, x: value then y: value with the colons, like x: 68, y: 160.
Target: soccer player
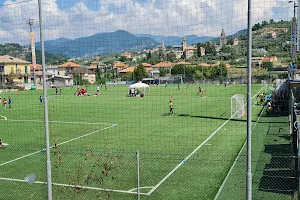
x: 199, y: 90
x: 56, y: 91
x: 4, y: 103
x: 269, y: 106
x: 1, y: 142
x: 98, y: 89
x: 171, y: 107
x: 41, y: 99
x: 9, y: 102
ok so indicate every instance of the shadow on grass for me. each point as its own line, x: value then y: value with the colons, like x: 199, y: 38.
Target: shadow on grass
x: 278, y: 175
x: 220, y: 118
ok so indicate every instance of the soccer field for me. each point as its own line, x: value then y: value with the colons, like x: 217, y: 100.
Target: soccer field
x: 94, y: 142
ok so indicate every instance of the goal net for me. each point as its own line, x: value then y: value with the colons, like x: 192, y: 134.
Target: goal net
x: 237, y: 106
x: 264, y: 84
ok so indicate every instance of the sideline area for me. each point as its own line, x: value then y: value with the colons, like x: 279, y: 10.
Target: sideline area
x: 274, y: 176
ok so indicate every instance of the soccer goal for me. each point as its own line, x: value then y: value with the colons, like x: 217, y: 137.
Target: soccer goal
x: 237, y: 106
x: 264, y: 84
x: 177, y: 79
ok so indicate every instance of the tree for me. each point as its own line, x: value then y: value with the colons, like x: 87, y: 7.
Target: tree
x: 149, y: 55
x: 221, y: 71
x: 171, y: 57
x: 78, y: 79
x: 178, y: 69
x: 256, y: 27
x: 267, y: 64
x: 140, y: 72
x: 210, y: 49
x: 122, y: 59
x: 225, y: 49
x: 198, y: 75
x: 128, y: 76
x: 162, y: 71
x: 230, y: 41
x: 264, y: 23
x: 98, y: 75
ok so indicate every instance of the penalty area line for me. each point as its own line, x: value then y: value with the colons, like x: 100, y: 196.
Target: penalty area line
x: 59, y: 122
x: 191, y: 154
x: 58, y: 144
x: 74, y: 186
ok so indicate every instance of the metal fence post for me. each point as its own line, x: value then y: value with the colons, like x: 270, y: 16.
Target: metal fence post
x: 249, y: 113
x: 49, y: 182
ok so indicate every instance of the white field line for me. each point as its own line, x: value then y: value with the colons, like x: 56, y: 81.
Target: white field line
x: 58, y: 122
x: 190, y: 155
x: 140, y: 188
x: 25, y: 109
x: 234, y: 163
x: 59, y: 144
x: 5, y: 118
x: 74, y: 186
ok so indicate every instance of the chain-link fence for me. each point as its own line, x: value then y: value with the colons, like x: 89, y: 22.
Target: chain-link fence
x: 138, y: 100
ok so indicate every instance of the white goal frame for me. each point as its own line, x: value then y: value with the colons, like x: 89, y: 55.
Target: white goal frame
x: 237, y: 106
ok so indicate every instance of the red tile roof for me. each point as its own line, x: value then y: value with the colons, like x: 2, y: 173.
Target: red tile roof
x: 118, y: 65
x: 146, y: 64
x: 163, y: 65
x: 183, y: 63
x: 69, y: 64
x: 128, y: 69
x: 38, y: 67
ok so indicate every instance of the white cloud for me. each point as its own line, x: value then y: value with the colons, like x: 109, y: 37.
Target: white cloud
x: 168, y: 17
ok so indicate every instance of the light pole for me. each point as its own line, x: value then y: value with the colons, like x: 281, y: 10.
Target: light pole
x: 2, y: 71
x: 294, y: 27
x: 30, y: 23
x: 295, y: 6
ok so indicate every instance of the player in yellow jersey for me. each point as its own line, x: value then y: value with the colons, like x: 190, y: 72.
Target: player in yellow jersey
x: 171, y: 107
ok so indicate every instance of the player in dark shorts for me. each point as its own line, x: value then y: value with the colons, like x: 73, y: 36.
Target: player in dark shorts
x: 9, y: 102
x: 171, y: 107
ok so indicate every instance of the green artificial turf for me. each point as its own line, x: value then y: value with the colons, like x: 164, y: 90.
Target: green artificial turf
x: 97, y: 139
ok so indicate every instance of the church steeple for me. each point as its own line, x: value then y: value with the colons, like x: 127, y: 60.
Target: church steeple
x: 223, y: 38
x: 184, y: 44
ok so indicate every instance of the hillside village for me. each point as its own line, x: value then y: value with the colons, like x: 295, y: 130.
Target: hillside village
x: 199, y: 61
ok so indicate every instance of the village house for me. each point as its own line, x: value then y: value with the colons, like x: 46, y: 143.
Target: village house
x: 126, y: 70
x: 52, y: 69
x: 99, y: 65
x: 186, y: 51
x: 235, y: 42
x: 85, y: 74
x: 119, y: 66
x: 14, y: 70
x: 127, y: 55
x: 38, y: 73
x: 257, y: 61
x: 162, y: 65
x: 66, y: 67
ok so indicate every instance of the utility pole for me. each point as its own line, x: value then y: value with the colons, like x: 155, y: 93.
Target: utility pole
x: 33, y: 56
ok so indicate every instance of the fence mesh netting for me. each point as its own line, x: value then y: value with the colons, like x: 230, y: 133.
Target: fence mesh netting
x: 138, y: 96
